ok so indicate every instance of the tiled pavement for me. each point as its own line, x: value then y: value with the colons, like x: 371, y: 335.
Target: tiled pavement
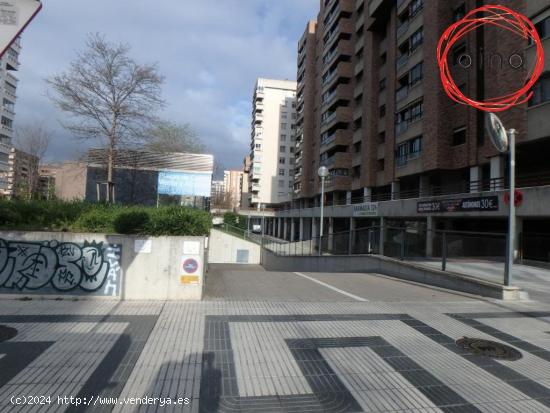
x: 274, y: 356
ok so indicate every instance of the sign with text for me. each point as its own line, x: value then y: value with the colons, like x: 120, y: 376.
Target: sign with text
x: 185, y: 183
x: 478, y: 204
x: 15, y: 15
x: 368, y: 209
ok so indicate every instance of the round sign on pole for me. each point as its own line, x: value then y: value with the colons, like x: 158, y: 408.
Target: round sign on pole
x: 496, y: 132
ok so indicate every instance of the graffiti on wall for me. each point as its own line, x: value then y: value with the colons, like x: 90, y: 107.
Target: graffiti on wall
x: 52, y: 266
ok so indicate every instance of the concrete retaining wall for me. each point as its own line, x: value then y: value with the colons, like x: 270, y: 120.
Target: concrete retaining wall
x: 224, y: 248
x: 53, y: 264
x: 390, y: 267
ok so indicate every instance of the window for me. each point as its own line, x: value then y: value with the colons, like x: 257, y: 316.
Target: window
x: 258, y: 146
x: 416, y: 74
x: 416, y: 111
x: 382, y: 85
x: 282, y: 149
x: 284, y: 116
x: 7, y: 122
x: 541, y: 91
x: 459, y: 136
x: 283, y: 138
x: 543, y: 28
x: 383, y: 58
x: 408, y: 150
x: 415, y: 7
x: 382, y: 111
x: 281, y: 172
x: 290, y: 184
x: 380, y: 165
x: 291, y: 150
x: 415, y: 146
x: 416, y: 39
x: 381, y: 137
x: 9, y: 105
x: 283, y: 125
x: 282, y: 160
x: 459, y: 13
x: 281, y: 184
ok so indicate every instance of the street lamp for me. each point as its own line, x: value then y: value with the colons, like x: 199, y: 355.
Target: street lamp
x: 323, y: 173
x: 505, y: 141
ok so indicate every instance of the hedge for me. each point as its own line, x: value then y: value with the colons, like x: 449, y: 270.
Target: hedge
x: 102, y: 218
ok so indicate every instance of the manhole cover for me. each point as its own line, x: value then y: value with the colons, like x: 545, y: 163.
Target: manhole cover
x: 488, y: 348
x: 7, y: 333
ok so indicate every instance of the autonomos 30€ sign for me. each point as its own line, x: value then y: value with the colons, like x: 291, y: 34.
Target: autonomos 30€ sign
x: 502, y: 17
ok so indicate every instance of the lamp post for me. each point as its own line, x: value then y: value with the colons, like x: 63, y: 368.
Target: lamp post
x: 505, y: 141
x: 323, y: 173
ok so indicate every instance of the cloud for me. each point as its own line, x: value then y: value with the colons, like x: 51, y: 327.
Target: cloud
x: 211, y: 53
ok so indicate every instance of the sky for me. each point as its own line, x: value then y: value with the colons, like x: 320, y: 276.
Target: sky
x: 210, y: 51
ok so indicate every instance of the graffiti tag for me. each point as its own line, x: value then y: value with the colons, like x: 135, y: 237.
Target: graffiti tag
x: 63, y: 266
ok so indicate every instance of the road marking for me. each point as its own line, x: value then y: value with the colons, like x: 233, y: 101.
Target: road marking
x: 355, y: 297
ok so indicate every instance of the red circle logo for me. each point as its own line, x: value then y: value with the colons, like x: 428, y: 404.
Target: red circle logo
x: 518, y: 198
x: 504, y: 18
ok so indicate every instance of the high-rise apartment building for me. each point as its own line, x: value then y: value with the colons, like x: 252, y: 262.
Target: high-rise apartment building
x: 371, y: 107
x: 272, y: 146
x: 232, y: 184
x: 247, y: 164
x: 8, y: 64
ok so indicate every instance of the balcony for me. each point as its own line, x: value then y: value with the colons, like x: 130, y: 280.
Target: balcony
x: 357, y: 159
x: 340, y: 160
x: 401, y: 93
x: 342, y: 114
x: 358, y: 135
x: 338, y: 138
x: 401, y: 61
x: 358, y: 90
x: 359, y: 66
x: 343, y: 69
x: 402, y: 29
x: 360, y: 22
x: 344, y: 47
x: 359, y: 3
x: 341, y: 92
x: 358, y: 113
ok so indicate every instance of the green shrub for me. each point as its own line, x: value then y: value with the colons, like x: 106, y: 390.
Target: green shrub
x: 235, y: 220
x: 131, y: 222
x: 102, y: 218
x: 179, y: 221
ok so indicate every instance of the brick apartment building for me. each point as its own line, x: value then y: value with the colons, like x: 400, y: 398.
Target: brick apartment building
x: 372, y: 109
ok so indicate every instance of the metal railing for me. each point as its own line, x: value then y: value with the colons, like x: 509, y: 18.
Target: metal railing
x: 461, y: 188
x: 436, y: 249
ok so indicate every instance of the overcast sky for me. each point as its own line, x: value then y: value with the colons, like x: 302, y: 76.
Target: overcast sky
x: 211, y: 52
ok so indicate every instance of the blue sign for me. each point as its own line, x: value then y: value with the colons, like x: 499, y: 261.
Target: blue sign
x: 185, y: 183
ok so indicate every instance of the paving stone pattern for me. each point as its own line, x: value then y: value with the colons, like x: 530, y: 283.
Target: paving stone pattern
x: 275, y: 356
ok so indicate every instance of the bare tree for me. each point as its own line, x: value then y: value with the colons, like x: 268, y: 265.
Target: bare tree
x: 33, y: 139
x: 109, y: 96
x: 169, y: 137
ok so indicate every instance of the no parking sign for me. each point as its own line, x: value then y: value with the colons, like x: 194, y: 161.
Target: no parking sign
x: 191, y: 270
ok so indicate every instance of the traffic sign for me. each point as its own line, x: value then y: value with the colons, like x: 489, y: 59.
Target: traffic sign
x: 190, y: 266
x: 15, y: 16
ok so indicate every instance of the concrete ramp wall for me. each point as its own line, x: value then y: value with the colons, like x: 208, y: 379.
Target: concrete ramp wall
x: 387, y: 266
x: 224, y: 248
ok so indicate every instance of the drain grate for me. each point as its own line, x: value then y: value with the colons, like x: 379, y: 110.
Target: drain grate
x: 488, y: 348
x: 7, y: 333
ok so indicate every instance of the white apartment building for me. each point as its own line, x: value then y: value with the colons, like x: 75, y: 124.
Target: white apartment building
x: 8, y: 86
x: 271, y: 176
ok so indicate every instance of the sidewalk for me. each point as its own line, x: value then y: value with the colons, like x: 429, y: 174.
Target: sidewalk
x: 274, y: 356
x: 536, y: 281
